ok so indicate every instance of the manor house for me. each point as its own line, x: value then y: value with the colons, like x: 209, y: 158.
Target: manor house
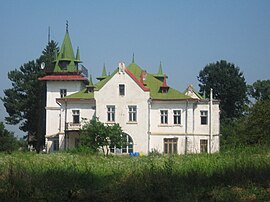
x: 153, y: 115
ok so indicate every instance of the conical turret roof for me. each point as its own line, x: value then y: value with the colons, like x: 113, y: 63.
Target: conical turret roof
x: 65, y: 60
x: 104, y: 74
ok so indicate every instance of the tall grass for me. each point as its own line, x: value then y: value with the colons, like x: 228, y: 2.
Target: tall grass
x: 234, y: 175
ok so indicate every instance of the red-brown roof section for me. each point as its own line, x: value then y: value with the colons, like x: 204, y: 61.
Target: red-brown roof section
x: 76, y: 77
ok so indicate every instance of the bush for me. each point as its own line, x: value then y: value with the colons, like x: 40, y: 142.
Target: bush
x: 8, y: 142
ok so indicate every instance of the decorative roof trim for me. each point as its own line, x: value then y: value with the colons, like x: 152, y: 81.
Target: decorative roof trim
x: 136, y: 80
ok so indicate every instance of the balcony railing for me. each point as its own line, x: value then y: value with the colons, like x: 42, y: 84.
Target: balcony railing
x: 73, y: 126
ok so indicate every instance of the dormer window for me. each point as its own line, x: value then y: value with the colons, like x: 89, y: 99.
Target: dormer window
x: 121, y: 89
x: 164, y: 88
x: 64, y: 64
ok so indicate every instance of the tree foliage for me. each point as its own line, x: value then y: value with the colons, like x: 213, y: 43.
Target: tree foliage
x: 257, y: 128
x: 228, y: 85
x: 259, y: 90
x: 252, y: 129
x: 8, y: 142
x: 25, y: 101
x: 96, y: 135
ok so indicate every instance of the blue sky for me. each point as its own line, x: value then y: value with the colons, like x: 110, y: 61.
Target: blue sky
x: 184, y: 35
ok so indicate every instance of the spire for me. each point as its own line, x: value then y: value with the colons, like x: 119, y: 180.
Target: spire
x: 90, y: 87
x: 65, y: 60
x: 133, y: 60
x: 90, y: 81
x: 104, y: 73
x: 66, y: 50
x: 78, y: 58
x: 160, y: 75
x: 160, y: 72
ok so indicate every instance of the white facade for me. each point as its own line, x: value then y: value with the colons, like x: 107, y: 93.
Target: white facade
x: 164, y: 125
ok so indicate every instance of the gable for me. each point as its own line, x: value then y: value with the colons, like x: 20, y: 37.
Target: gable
x: 111, y: 84
x: 154, y: 85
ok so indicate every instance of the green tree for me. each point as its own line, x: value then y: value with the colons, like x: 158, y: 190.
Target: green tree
x: 259, y: 90
x: 8, y: 142
x: 48, y: 56
x: 228, y: 85
x: 257, y: 127
x: 96, y: 135
x: 25, y: 101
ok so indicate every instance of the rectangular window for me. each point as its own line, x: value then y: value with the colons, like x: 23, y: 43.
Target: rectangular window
x: 204, y: 117
x: 56, y: 144
x: 76, y: 116
x: 203, y: 146
x: 121, y: 89
x: 164, y: 116
x: 132, y: 113
x: 111, y: 113
x: 176, y: 116
x: 170, y: 145
x: 63, y: 92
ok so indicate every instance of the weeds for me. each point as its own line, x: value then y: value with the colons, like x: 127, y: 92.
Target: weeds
x: 234, y: 175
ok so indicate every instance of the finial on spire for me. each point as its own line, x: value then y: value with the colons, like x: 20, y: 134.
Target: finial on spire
x: 133, y: 60
x: 66, y: 25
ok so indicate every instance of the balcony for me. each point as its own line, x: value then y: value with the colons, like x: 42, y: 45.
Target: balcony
x: 73, y: 126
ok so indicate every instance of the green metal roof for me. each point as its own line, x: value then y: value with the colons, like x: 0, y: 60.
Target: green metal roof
x: 66, y: 56
x: 78, y: 57
x: 101, y: 83
x: 154, y: 84
x: 151, y: 82
x: 83, y: 94
x: 104, y: 73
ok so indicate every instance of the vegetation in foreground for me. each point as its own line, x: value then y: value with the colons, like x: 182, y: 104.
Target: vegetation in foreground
x: 235, y: 175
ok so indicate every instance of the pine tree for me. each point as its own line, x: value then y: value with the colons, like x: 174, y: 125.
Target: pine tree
x: 25, y: 101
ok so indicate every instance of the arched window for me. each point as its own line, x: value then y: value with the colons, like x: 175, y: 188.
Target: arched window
x: 128, y: 148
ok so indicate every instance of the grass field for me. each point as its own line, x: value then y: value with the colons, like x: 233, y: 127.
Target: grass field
x: 234, y: 175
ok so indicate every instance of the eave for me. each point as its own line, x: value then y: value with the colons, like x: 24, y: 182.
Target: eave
x: 63, y: 77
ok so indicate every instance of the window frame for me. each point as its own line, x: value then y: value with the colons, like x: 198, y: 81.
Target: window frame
x: 63, y: 92
x: 132, y: 113
x: 76, y: 116
x: 110, y: 113
x: 177, y: 117
x: 164, y: 117
x: 170, y: 145
x: 203, y: 146
x: 204, y: 117
x: 122, y: 89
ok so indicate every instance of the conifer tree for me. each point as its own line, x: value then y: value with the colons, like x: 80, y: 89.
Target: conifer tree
x: 25, y: 101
